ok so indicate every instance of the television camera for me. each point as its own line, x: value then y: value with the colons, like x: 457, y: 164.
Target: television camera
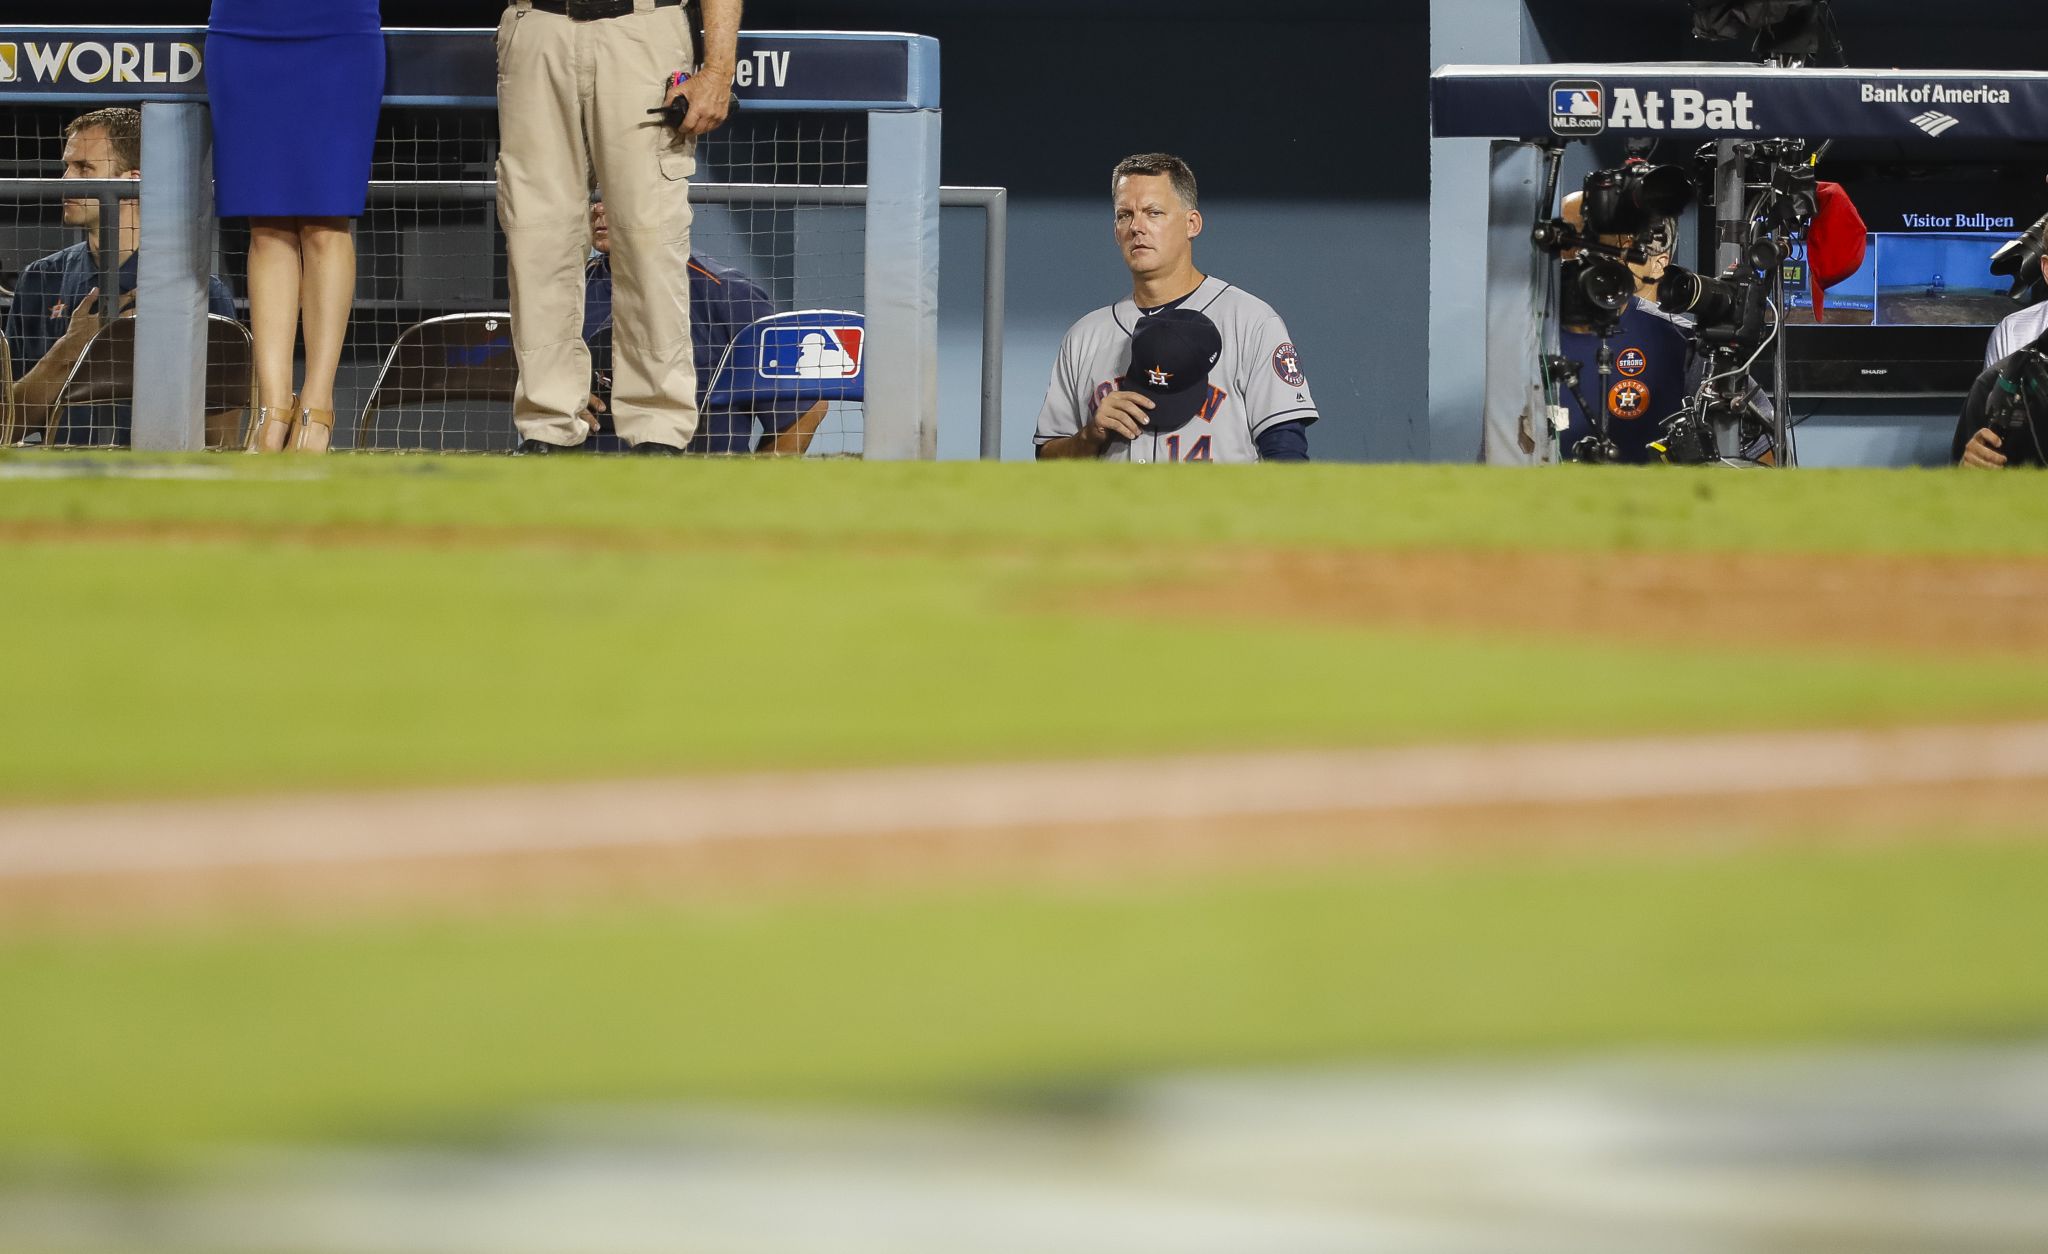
x: 1628, y: 214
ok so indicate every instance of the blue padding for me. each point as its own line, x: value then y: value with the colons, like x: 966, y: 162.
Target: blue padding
x: 1926, y: 109
x: 793, y: 359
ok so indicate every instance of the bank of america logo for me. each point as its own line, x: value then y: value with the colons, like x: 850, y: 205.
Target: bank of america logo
x: 1936, y: 124
x: 9, y: 58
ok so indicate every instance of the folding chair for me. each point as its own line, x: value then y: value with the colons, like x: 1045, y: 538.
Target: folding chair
x: 8, y: 434
x: 104, y: 377
x: 788, y: 369
x: 442, y: 361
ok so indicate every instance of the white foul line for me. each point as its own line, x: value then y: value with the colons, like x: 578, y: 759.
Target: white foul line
x: 341, y: 828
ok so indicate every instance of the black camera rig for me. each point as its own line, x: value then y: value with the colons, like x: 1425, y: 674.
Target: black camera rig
x: 1740, y: 313
x: 1731, y: 317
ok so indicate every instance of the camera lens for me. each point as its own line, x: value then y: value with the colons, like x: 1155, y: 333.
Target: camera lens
x: 1631, y: 199
x: 1711, y: 302
x: 1607, y: 284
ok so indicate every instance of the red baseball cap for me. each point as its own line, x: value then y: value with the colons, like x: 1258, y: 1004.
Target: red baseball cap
x: 1835, y: 243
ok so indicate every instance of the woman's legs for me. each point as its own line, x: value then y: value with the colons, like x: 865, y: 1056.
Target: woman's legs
x: 274, y: 266
x: 327, y: 291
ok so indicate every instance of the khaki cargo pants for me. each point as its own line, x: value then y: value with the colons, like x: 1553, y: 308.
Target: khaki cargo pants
x: 572, y: 104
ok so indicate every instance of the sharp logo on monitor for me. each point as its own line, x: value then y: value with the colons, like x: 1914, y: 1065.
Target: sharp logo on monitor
x: 801, y: 352
x: 1578, y: 108
x: 89, y: 62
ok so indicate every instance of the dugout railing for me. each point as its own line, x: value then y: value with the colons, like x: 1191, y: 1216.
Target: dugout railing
x: 825, y: 185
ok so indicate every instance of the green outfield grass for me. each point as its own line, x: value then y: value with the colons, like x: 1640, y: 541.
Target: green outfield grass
x: 270, y: 624
x: 139, y: 1049
x: 357, y: 621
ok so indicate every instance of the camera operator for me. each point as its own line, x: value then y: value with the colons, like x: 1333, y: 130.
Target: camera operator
x: 1978, y: 444
x: 1650, y: 350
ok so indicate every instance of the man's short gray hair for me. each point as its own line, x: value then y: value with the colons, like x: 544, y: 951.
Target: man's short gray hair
x: 1157, y: 163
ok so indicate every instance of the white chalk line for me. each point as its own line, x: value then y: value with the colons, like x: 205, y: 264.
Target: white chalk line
x: 350, y: 828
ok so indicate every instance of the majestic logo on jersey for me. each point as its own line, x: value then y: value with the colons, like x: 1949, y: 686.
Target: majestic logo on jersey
x: 1628, y: 399
x: 1159, y: 378
x: 1578, y: 108
x: 801, y: 352
x: 1287, y: 364
x: 1631, y: 362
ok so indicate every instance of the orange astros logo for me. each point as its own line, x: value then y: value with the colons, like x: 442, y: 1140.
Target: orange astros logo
x: 1628, y: 399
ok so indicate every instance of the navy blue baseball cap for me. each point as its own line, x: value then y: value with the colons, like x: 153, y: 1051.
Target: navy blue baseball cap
x: 1172, y: 353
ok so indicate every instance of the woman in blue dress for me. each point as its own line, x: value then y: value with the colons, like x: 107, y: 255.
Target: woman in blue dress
x: 295, y: 86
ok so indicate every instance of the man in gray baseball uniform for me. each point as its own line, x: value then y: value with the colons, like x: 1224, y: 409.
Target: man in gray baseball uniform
x: 1189, y: 368
x: 1983, y: 448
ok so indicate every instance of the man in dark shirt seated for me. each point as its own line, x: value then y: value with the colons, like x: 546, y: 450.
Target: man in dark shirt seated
x: 57, y: 305
x: 723, y: 302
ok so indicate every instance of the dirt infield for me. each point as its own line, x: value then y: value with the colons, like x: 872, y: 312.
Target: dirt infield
x: 349, y: 852
x: 1735, y: 601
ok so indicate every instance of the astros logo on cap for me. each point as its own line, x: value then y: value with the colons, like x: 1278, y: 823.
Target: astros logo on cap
x: 1160, y: 378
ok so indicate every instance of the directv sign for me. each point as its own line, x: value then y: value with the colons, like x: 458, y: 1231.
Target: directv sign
x: 825, y: 72
x: 1543, y: 102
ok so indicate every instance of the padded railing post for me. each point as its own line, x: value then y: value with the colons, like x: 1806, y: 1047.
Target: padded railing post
x: 176, y: 253
x: 903, y: 286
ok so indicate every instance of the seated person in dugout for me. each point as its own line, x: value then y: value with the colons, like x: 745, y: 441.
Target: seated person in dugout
x: 723, y: 302
x: 58, y: 306
x: 1976, y: 444
x: 1188, y: 368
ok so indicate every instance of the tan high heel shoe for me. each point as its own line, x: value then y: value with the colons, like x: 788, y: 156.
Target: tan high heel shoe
x: 312, y: 430
x: 272, y: 428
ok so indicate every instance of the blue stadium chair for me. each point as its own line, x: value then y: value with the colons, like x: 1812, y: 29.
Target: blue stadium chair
x: 792, y: 367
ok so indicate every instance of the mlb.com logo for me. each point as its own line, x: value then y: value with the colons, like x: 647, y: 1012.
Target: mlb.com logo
x: 811, y: 352
x: 1578, y: 108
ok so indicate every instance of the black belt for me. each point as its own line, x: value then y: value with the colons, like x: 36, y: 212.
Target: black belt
x: 592, y: 10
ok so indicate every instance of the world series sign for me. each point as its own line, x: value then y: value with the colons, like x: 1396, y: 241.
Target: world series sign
x: 784, y: 70
x: 1546, y: 102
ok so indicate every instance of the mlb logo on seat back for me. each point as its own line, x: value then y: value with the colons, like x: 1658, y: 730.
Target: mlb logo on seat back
x: 811, y: 352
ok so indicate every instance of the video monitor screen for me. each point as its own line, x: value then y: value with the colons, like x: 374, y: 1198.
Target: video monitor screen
x: 1910, y: 281
x: 1929, y: 257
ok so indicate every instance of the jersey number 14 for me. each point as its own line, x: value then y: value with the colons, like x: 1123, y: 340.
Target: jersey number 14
x: 1197, y: 452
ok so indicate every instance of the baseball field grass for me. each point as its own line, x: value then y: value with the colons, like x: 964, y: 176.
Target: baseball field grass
x: 139, y: 1048
x: 408, y: 621
x: 230, y: 626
